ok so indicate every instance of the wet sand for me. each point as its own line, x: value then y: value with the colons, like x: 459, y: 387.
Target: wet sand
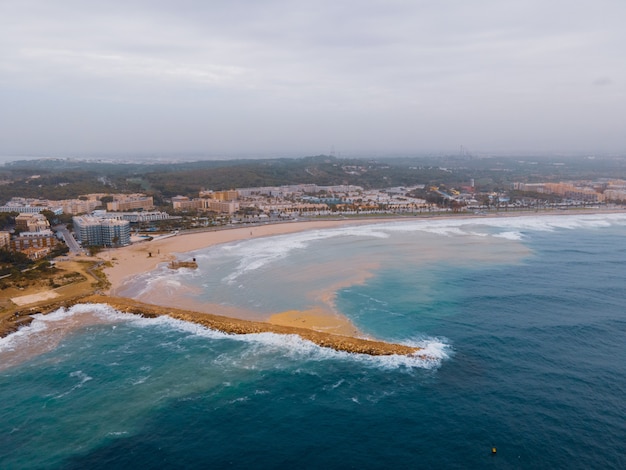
x: 145, y: 256
x: 318, y: 320
x: 127, y: 262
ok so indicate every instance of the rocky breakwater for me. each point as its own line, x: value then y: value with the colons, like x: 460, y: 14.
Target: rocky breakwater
x: 241, y: 327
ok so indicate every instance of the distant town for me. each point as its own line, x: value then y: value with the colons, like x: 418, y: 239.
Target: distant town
x: 40, y: 227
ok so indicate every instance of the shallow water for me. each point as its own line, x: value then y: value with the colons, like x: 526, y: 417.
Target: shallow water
x: 525, y: 319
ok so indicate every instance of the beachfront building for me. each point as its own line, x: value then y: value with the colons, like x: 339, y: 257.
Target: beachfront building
x: 96, y: 231
x: 41, y: 239
x: 31, y: 223
x: 35, y: 245
x: 615, y: 195
x: 221, y: 207
x: 78, y: 206
x: 135, y: 217
x: 31, y: 206
x: 299, y: 189
x: 65, y: 206
x: 130, y: 202
x: 183, y: 203
x: 230, y: 195
x: 115, y: 232
x: 5, y: 239
x: 573, y: 191
x: 87, y: 230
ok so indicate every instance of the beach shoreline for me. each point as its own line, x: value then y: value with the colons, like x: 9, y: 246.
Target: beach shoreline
x: 122, y: 264
x: 125, y: 262
x: 129, y: 261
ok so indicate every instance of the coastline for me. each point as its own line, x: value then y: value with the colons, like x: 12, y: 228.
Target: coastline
x: 126, y: 262
x: 326, y: 329
x: 233, y: 326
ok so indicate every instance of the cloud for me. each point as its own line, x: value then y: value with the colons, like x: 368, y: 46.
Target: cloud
x: 603, y: 81
x: 417, y: 75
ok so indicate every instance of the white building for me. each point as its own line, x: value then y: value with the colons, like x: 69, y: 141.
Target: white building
x: 95, y: 231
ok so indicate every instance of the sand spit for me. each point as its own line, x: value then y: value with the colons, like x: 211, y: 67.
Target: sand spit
x: 238, y: 326
x: 227, y: 325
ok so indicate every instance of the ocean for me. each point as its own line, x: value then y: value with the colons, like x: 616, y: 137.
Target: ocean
x: 523, y: 320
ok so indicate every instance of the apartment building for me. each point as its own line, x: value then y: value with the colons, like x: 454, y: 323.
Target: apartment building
x: 135, y: 217
x: 31, y: 206
x: 221, y: 207
x: 78, y: 206
x: 41, y: 239
x: 95, y: 231
x: 5, y: 239
x: 31, y: 223
x: 131, y: 202
x: 183, y: 203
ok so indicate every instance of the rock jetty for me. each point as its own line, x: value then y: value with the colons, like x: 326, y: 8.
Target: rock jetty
x: 240, y: 327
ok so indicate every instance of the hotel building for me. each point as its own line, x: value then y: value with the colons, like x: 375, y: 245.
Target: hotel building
x: 95, y: 231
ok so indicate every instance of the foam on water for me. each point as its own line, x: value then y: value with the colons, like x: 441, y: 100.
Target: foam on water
x: 515, y: 236
x: 540, y: 223
x: 45, y: 332
x: 82, y: 379
x: 255, y: 254
x: 296, y: 348
x: 42, y: 323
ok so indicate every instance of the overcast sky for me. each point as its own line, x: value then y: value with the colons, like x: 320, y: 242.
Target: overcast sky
x: 296, y: 78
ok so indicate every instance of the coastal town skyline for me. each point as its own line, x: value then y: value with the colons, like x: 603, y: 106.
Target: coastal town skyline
x: 283, y: 79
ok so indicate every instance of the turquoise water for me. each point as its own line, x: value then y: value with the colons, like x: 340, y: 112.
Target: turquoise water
x: 524, y: 319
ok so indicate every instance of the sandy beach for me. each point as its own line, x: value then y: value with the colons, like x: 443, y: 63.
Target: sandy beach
x: 142, y: 257
x: 145, y: 256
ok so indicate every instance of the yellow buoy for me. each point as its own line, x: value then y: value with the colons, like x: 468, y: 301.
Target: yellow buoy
x: 494, y: 450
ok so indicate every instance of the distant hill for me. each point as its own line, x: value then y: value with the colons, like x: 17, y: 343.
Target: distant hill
x: 67, y: 178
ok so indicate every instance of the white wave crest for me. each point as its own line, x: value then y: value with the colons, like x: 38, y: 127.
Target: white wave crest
x: 289, y: 346
x: 433, y: 352
x: 82, y: 379
x: 510, y: 235
x: 468, y: 226
x: 37, y: 330
x: 179, y: 325
x: 255, y: 254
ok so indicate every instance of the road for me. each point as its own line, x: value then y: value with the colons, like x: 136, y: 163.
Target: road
x: 71, y: 243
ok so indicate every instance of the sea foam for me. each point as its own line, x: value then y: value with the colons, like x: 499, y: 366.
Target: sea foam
x: 296, y: 348
x: 255, y: 254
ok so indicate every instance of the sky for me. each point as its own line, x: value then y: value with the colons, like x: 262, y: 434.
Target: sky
x: 297, y: 77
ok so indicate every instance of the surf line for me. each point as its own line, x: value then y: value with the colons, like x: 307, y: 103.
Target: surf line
x: 238, y: 326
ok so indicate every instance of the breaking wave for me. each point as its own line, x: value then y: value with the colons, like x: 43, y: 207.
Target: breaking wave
x: 255, y: 254
x: 259, y: 345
